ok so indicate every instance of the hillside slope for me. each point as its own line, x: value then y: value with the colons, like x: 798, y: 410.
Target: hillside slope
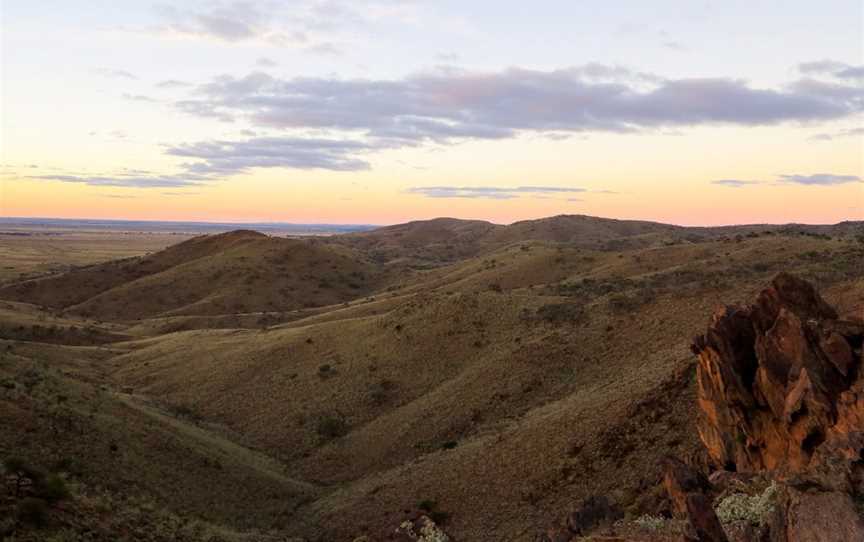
x: 236, y: 272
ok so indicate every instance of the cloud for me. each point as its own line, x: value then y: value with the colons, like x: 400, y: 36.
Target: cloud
x: 489, y: 192
x: 265, y: 23
x: 118, y: 196
x: 265, y: 62
x: 448, y: 57
x: 117, y: 74
x: 147, y: 181
x: 180, y: 193
x: 223, y: 158
x: 173, y: 83
x: 820, y: 179
x: 139, y: 98
x: 735, y: 183
x: 849, y: 132
x: 674, y: 45
x: 324, y: 48
x: 450, y: 104
x: 832, y: 68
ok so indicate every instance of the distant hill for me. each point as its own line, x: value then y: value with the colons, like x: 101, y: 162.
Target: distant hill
x: 444, y: 240
x: 236, y: 272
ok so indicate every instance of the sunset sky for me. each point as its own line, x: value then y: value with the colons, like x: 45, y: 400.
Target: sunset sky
x: 384, y: 111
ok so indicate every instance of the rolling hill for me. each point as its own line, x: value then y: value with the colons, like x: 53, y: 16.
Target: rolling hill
x: 231, y: 273
x: 536, y: 365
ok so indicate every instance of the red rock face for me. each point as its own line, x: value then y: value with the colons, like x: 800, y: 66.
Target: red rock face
x: 778, y: 382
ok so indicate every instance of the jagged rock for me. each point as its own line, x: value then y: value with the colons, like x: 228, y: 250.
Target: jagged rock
x: 687, y: 490
x: 773, y: 380
x: 679, y: 480
x: 702, y: 522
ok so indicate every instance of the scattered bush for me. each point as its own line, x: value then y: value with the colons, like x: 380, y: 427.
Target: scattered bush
x: 559, y: 313
x: 753, y: 509
x: 650, y: 523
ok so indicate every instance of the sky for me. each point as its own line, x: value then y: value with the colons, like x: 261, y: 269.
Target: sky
x: 384, y: 111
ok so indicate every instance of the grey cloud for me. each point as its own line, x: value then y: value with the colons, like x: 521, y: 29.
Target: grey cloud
x: 265, y: 62
x: 450, y: 104
x: 232, y: 157
x: 735, y: 183
x: 832, y: 68
x: 820, y: 179
x: 241, y: 21
x: 488, y: 192
x: 151, y: 181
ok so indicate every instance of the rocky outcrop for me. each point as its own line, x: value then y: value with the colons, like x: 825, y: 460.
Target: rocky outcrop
x: 781, y: 391
x: 779, y: 379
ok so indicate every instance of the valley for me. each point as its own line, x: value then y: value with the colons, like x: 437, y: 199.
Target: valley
x: 245, y: 386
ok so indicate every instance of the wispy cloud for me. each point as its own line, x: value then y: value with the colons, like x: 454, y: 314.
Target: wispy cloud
x: 489, y: 192
x: 173, y: 83
x: 139, y: 98
x: 148, y: 181
x: 820, y: 179
x: 222, y: 158
x: 830, y: 136
x: 265, y: 62
x: 735, y: 183
x: 674, y: 45
x: 817, y: 179
x: 114, y: 73
x: 302, y: 24
x: 833, y: 68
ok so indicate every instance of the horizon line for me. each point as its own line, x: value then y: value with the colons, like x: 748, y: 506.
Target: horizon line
x: 363, y: 224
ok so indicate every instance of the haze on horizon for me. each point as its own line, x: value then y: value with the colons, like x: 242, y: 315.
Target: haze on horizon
x: 384, y: 111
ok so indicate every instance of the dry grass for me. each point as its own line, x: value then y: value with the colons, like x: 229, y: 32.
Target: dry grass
x: 501, y: 387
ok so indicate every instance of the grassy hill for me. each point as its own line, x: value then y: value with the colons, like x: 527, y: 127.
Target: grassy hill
x: 495, y: 389
x: 231, y: 273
